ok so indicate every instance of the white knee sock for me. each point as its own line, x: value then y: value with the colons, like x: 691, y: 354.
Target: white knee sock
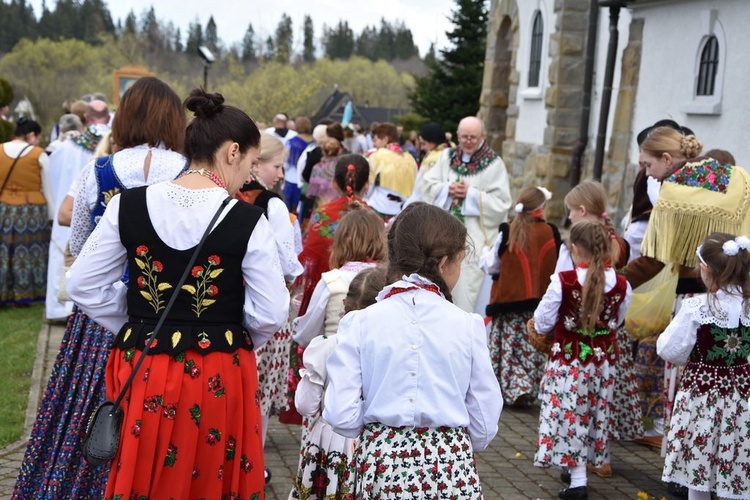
x: 577, y: 476
x: 699, y: 495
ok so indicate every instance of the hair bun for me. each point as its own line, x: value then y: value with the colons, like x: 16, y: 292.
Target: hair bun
x: 690, y: 146
x: 203, y: 104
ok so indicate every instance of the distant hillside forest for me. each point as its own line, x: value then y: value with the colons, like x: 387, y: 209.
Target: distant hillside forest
x: 73, y: 50
x: 88, y: 20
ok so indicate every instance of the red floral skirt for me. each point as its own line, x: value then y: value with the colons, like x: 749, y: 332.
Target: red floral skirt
x: 191, y: 427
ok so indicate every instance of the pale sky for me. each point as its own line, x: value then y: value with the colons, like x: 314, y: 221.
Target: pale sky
x: 427, y: 19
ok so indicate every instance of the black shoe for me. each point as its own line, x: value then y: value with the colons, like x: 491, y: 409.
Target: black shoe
x: 267, y: 472
x: 565, y: 476
x: 579, y: 493
x: 677, y: 490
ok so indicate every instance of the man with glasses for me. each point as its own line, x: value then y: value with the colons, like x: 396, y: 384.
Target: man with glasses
x: 470, y: 181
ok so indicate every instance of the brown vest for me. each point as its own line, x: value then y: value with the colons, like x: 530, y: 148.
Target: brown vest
x: 24, y: 185
x: 525, y: 275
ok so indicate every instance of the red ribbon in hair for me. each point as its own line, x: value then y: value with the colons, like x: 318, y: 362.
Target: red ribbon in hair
x: 349, y: 190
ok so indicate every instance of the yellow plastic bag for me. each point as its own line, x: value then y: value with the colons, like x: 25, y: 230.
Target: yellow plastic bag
x: 651, y: 305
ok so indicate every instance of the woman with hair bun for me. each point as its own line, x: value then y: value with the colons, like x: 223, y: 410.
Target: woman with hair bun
x: 191, y: 420
x: 149, y: 129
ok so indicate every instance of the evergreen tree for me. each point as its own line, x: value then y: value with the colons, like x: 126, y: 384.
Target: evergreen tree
x: 403, y: 46
x: 284, y: 40
x: 365, y: 46
x: 194, y: 38
x: 211, y: 38
x: 248, y: 46
x: 339, y: 41
x: 450, y: 90
x: 384, y: 43
x: 308, y: 46
x: 270, y: 50
x: 131, y: 26
x: 151, y: 31
x: 178, y: 47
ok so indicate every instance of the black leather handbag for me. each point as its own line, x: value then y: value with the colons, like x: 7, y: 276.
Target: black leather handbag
x: 102, y: 438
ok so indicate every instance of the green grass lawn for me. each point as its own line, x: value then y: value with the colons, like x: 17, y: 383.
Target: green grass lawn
x: 19, y: 330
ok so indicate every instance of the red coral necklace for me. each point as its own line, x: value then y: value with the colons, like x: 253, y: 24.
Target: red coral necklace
x: 208, y: 174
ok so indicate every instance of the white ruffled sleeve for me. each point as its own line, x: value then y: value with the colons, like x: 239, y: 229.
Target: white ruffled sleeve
x: 278, y: 217
x: 676, y: 342
x: 546, y: 312
x: 343, y: 399
x: 564, y: 260
x: 489, y: 261
x: 94, y: 280
x: 81, y: 225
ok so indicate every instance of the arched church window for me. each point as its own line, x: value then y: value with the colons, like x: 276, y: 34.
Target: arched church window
x: 535, y: 61
x: 709, y: 65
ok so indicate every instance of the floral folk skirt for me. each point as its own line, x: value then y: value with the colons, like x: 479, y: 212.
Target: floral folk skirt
x: 191, y: 426
x: 517, y: 364
x: 24, y: 247
x: 575, y: 415
x: 708, y: 448
x: 53, y: 466
x: 325, y: 456
x: 627, y: 421
x: 422, y: 462
x: 273, y: 371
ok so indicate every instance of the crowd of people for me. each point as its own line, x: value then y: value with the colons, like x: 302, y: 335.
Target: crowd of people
x: 382, y: 291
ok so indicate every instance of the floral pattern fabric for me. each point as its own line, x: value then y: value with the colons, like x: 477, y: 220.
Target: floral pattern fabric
x: 323, y: 463
x: 414, y: 463
x: 191, y: 427
x: 627, y: 421
x: 24, y: 246
x: 273, y: 372
x: 707, y: 174
x: 575, y: 416
x: 517, y: 364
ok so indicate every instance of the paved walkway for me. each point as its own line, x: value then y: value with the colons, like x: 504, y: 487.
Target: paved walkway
x: 505, y: 468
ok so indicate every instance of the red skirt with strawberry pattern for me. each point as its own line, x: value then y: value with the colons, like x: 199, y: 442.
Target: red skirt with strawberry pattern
x: 191, y: 428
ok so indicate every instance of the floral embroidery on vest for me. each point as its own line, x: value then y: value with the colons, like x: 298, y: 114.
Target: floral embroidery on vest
x: 736, y: 344
x: 203, y: 287
x: 148, y: 282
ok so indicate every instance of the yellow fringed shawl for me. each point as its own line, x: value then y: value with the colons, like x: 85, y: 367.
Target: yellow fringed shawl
x: 701, y: 198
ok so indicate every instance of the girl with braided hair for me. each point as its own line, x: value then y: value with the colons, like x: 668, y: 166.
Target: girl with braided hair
x: 588, y: 201
x: 582, y: 309
x: 411, y: 376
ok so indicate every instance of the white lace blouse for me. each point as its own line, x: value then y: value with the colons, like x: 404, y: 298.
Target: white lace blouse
x: 283, y: 230
x: 179, y: 216
x: 128, y: 165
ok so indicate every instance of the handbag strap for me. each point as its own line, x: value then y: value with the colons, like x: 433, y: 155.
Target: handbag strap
x: 172, y: 299
x: 10, y: 171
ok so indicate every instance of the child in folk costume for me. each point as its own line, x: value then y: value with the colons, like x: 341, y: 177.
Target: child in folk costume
x: 411, y: 376
x: 273, y: 357
x: 521, y: 262
x: 582, y: 310
x: 350, y: 179
x: 588, y: 201
x: 708, y: 448
x: 324, y: 453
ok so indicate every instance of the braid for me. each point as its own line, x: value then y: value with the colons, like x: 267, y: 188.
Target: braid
x: 430, y: 271
x: 351, y: 173
x: 593, y: 238
x: 614, y: 245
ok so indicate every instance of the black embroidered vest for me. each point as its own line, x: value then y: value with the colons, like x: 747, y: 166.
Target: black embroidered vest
x: 207, y: 314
